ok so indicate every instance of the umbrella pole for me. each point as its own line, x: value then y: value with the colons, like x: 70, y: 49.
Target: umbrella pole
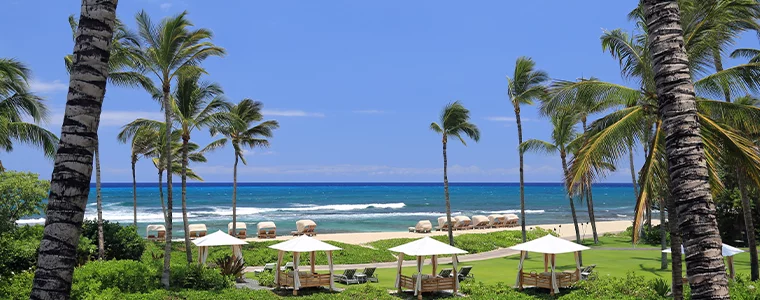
x: 398, y: 271
x: 312, y: 257
x: 730, y: 260
x: 435, y: 264
x: 546, y: 262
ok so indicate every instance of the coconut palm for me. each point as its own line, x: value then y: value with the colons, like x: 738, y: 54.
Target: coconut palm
x: 563, y: 133
x: 684, y: 148
x: 142, y: 142
x: 244, y: 134
x: 454, y: 122
x: 197, y: 105
x: 17, y: 104
x: 172, y: 48
x: 70, y: 183
x: 525, y: 86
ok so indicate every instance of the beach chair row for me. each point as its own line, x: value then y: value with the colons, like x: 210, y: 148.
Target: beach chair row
x: 465, y: 223
x: 264, y: 230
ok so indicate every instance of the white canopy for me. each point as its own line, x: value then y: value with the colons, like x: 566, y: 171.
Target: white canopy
x: 304, y: 244
x: 218, y: 238
x: 426, y: 246
x: 550, y: 245
x: 727, y: 250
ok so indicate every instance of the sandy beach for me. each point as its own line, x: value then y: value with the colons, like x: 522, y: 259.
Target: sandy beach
x: 360, y: 238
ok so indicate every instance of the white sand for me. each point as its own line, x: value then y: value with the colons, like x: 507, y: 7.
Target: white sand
x: 359, y: 238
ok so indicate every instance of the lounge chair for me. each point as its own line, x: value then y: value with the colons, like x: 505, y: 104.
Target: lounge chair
x: 287, y: 266
x: 266, y: 230
x: 496, y: 221
x: 307, y: 227
x: 367, y: 275
x: 442, y: 225
x: 511, y: 220
x: 462, y: 223
x: 586, y: 271
x: 197, y: 230
x: 423, y: 226
x: 465, y: 274
x: 268, y: 267
x: 241, y: 229
x: 348, y: 277
x: 445, y: 273
x: 160, y: 232
x: 480, y: 222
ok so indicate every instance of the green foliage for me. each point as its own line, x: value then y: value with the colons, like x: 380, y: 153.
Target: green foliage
x: 17, y: 287
x: 479, y: 290
x: 743, y: 289
x: 197, y: 276
x: 660, y: 286
x: 125, y: 275
x: 265, y: 278
x: 231, y: 266
x: 21, y: 195
x: 18, y: 249
x: 121, y: 242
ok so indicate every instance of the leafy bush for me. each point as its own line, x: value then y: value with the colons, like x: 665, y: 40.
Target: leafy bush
x: 120, y: 242
x: 197, y: 276
x: 18, y: 249
x: 21, y: 195
x: 125, y: 275
x: 743, y: 288
x: 231, y: 266
x: 17, y: 287
x: 265, y: 278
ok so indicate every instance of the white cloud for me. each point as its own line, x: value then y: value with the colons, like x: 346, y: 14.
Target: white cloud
x: 165, y: 6
x: 118, y: 117
x: 369, y: 111
x: 507, y: 119
x: 247, y: 152
x: 291, y: 113
x: 43, y: 87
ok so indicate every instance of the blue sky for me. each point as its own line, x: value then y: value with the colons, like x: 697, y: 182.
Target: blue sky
x: 354, y: 84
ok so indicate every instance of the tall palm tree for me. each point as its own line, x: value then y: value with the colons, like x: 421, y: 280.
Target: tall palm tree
x: 70, y: 183
x: 16, y: 104
x: 525, y: 86
x: 197, y: 105
x: 455, y: 121
x: 244, y: 134
x: 563, y: 133
x: 142, y: 142
x: 172, y: 48
x: 99, y: 203
x: 685, y: 151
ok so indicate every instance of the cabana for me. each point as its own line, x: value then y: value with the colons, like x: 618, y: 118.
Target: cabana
x: 197, y: 230
x: 266, y: 230
x: 462, y: 223
x: 727, y: 251
x: 297, y: 279
x: 480, y: 222
x: 426, y: 283
x: 160, y: 232
x: 241, y: 231
x: 218, y: 238
x: 550, y: 246
x: 307, y: 227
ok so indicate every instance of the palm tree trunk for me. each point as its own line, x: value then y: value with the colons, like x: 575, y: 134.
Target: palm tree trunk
x: 99, y: 203
x: 2, y: 169
x: 592, y: 217
x: 563, y: 156
x: 675, y: 250
x: 719, y: 67
x: 522, y: 178
x: 134, y: 192
x: 161, y: 193
x: 234, y: 196
x: 633, y: 172
x: 446, y: 193
x: 649, y: 216
x: 685, y: 152
x: 72, y: 171
x: 188, y: 249
x: 167, y: 156
x: 749, y: 226
x: 663, y: 237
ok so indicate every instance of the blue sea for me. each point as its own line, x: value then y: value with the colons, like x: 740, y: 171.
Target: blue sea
x: 354, y: 207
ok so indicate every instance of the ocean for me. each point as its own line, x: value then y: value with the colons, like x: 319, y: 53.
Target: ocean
x: 353, y: 207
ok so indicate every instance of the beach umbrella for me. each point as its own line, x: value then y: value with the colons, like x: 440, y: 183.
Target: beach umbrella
x: 426, y: 247
x: 550, y: 246
x: 727, y: 251
x: 304, y: 244
x: 218, y: 238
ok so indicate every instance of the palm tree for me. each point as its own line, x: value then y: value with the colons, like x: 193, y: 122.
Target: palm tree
x: 171, y: 49
x: 525, y: 86
x: 563, y: 133
x: 70, y: 183
x: 142, y: 142
x: 455, y: 121
x: 685, y: 151
x: 244, y: 134
x: 99, y: 203
x: 197, y: 105
x: 16, y: 104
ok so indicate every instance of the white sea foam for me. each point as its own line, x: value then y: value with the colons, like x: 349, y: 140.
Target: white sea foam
x: 226, y: 211
x: 622, y: 216
x: 517, y: 211
x: 31, y: 221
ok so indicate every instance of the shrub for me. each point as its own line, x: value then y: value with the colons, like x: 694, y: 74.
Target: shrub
x: 120, y: 242
x: 125, y: 275
x: 21, y: 195
x: 197, y: 276
x: 18, y: 249
x: 265, y: 278
x: 231, y: 266
x: 17, y: 287
x: 743, y: 288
